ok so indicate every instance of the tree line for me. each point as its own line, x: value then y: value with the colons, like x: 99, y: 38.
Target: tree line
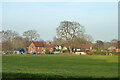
x: 67, y: 33
x: 11, y: 40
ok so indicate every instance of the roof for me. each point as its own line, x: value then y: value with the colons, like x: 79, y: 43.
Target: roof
x: 50, y: 45
x: 42, y: 44
x: 38, y: 44
x: 84, y: 46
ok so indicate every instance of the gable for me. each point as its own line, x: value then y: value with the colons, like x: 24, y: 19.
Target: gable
x: 32, y: 44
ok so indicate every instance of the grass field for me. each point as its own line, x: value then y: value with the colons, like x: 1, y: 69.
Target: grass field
x: 59, y: 66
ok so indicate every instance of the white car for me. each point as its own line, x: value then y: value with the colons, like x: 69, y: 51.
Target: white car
x: 80, y: 53
x: 56, y: 52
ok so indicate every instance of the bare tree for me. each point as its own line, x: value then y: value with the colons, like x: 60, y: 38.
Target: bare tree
x: 88, y: 38
x: 83, y: 39
x: 113, y: 43
x: 31, y: 35
x: 19, y: 43
x: 7, y: 46
x: 9, y: 35
x: 69, y: 31
x: 99, y: 44
x: 58, y: 41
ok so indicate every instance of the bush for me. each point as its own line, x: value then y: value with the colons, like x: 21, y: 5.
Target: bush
x: 104, y: 53
x: 47, y: 52
x: 89, y: 53
x: 54, y: 49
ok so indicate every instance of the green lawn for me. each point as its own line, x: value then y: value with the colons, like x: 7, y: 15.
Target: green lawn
x: 59, y: 66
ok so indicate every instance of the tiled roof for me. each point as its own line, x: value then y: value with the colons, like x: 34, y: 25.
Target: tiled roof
x: 50, y: 45
x: 84, y: 46
x: 41, y: 44
x: 38, y: 44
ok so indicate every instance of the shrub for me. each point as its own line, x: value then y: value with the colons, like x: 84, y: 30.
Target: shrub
x: 47, y: 52
x: 104, y: 53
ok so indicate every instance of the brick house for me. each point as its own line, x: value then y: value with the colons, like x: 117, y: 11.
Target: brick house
x: 40, y: 47
x: 36, y: 47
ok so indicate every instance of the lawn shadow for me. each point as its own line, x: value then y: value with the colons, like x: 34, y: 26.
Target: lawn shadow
x: 29, y: 76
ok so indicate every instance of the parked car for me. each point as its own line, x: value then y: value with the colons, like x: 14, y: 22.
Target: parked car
x: 80, y: 53
x: 6, y: 52
x: 57, y: 52
x: 52, y: 53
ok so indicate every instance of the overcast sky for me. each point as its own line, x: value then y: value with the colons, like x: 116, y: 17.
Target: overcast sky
x: 98, y: 18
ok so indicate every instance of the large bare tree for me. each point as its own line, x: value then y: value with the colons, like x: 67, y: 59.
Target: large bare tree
x: 31, y: 35
x: 83, y: 39
x: 58, y: 41
x: 69, y: 31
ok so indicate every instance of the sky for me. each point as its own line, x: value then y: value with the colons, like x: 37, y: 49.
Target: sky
x: 59, y: 0
x: 100, y: 19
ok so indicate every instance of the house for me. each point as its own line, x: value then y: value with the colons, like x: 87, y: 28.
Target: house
x: 49, y: 47
x: 58, y: 47
x: 118, y: 46
x: 40, y: 47
x: 112, y: 49
x: 36, y: 47
x: 82, y: 49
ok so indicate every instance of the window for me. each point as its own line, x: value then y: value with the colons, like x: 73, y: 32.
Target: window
x: 32, y: 48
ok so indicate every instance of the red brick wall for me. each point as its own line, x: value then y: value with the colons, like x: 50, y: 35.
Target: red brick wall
x: 37, y: 50
x: 30, y: 49
x: 40, y: 50
x: 50, y: 49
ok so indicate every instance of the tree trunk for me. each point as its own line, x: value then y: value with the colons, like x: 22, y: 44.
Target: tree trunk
x: 70, y: 50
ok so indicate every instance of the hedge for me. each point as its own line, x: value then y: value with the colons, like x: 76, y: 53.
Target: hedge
x: 104, y: 53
